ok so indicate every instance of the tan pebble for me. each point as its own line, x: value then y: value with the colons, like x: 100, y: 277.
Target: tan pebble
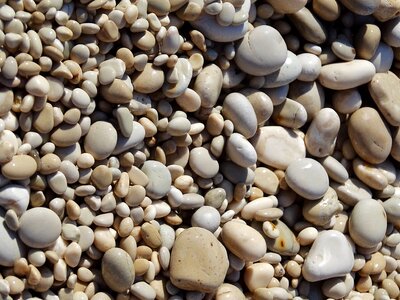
x: 367, y: 40
x: 19, y: 167
x: 44, y: 120
x: 228, y: 291
x: 258, y: 275
x: 118, y: 261
x: 266, y: 180
x: 103, y: 239
x: 6, y: 100
x: 362, y: 135
x: 101, y: 140
x: 57, y: 182
x: 7, y: 151
x: 150, y: 235
x: 375, y: 265
x: 347, y: 101
x: 117, y: 92
x: 144, y: 40
x: 207, y: 253
x: 66, y: 135
x: 369, y: 174
x: 328, y: 10
x: 255, y: 247
x: 208, y: 85
x: 16, y: 285
x: 309, y: 26
x: 28, y: 69
x: 383, y: 88
x: 143, y: 290
x: 141, y: 266
x: 101, y: 177
x: 178, y: 126
x: 151, y: 74
x: 391, y: 287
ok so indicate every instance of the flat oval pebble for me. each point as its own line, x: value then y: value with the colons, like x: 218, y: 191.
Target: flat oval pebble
x: 19, y: 167
x: 159, y: 179
x: 37, y: 86
x: 254, y: 59
x: 371, y: 143
x: 203, y: 163
x: 307, y: 178
x: 365, y: 233
x: 346, y: 75
x: 330, y: 256
x: 117, y: 270
x: 39, y: 227
x: 101, y: 140
x: 277, y: 146
x: 243, y: 241
x: 238, y: 109
x: 11, y: 247
x: 199, y: 262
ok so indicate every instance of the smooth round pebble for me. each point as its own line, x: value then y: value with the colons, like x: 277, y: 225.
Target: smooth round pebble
x: 159, y: 179
x: 206, y: 217
x: 39, y: 227
x: 100, y: 140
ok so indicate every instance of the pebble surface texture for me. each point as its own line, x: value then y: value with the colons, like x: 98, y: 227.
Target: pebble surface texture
x: 199, y: 149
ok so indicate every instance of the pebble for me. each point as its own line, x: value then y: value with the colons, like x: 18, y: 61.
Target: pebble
x: 330, y: 256
x: 37, y: 86
x: 243, y: 241
x: 12, y: 248
x: 159, y: 179
x: 100, y: 140
x: 307, y: 178
x: 254, y: 60
x: 285, y: 243
x: 206, y: 217
x: 20, y: 167
x: 239, y: 110
x: 199, y: 262
x: 15, y: 197
x: 39, y: 227
x: 362, y: 231
x: 227, y: 291
x: 240, y: 151
x: 277, y: 146
x: 383, y: 89
x: 203, y: 163
x: 371, y: 143
x: 117, y: 261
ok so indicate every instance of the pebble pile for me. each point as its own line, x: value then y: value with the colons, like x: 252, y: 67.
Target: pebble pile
x: 199, y: 149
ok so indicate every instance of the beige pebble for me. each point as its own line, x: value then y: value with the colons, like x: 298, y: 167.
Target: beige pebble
x: 252, y: 250
x: 369, y: 174
x: 361, y: 7
x: 149, y: 80
x: 362, y: 135
x: 277, y: 146
x: 203, y: 163
x: 229, y: 291
x: 382, y: 88
x: 66, y: 135
x: 19, y: 167
x: 351, y: 191
x: 258, y: 275
x: 346, y: 75
x: 285, y: 243
x: 118, y: 261
x: 16, y: 284
x: 208, y: 85
x: 159, y: 179
x: 37, y: 86
x: 309, y: 27
x: 43, y: 121
x: 367, y: 40
x: 150, y: 235
x: 117, y: 92
x: 101, y: 140
x: 206, y: 253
